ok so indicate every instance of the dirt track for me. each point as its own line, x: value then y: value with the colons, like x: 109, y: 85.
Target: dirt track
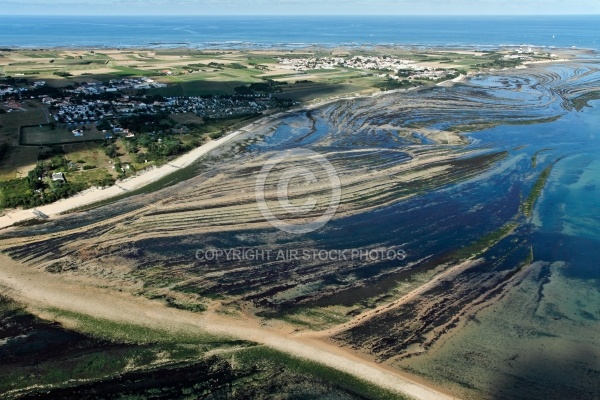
x: 40, y: 291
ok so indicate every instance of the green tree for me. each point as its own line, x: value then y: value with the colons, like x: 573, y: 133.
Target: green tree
x: 111, y: 151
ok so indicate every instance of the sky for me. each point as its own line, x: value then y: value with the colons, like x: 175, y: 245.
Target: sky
x: 299, y: 7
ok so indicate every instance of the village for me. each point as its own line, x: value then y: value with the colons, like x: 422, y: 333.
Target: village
x: 115, y: 85
x: 93, y: 102
x: 77, y: 110
x: 393, y: 66
x: 132, y: 126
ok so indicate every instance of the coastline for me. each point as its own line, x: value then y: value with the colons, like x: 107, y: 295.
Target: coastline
x: 305, y: 31
x: 146, y: 177
x: 94, y: 195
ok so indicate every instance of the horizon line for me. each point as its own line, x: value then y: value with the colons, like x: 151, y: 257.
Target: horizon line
x: 301, y: 15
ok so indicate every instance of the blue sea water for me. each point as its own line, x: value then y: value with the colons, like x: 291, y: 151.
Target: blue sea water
x: 286, y: 31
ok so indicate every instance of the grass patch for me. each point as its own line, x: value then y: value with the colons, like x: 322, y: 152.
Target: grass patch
x: 486, y: 241
x: 17, y: 161
x: 318, y: 318
x: 479, y: 126
x: 43, y: 54
x: 302, y: 366
x: 536, y: 191
x: 534, y: 158
x: 43, y: 135
x: 131, y: 333
x: 88, y: 152
x: 11, y: 122
x: 93, y: 176
x: 262, y: 60
x: 41, y: 355
x: 129, y: 71
x: 579, y: 103
x: 198, y: 88
x: 308, y: 92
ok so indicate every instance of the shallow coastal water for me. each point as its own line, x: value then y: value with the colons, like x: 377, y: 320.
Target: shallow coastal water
x: 540, y: 339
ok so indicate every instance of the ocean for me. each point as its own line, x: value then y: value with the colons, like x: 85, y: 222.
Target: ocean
x: 298, y: 32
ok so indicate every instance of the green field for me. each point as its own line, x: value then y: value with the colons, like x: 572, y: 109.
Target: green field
x: 198, y: 88
x: 122, y: 72
x: 308, y: 92
x: 11, y: 122
x: 39, y: 135
x: 212, y: 81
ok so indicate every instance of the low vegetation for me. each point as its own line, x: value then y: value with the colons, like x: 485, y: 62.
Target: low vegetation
x: 536, y: 191
x: 39, y: 187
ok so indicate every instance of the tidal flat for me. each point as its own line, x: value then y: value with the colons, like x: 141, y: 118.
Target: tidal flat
x: 480, y: 183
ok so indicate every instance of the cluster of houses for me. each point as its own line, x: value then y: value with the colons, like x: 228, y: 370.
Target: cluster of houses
x: 218, y: 106
x: 116, y: 85
x: 367, y: 63
x: 74, y: 110
x: 69, y: 111
x: 13, y: 92
x: 80, y: 106
x: 89, y: 88
x: 358, y: 62
x: 421, y: 73
x: 8, y: 90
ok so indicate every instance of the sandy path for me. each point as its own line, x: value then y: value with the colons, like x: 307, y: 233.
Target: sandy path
x: 458, y: 79
x: 39, y: 291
